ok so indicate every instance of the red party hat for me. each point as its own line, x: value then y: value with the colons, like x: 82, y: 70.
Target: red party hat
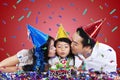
x: 93, y: 29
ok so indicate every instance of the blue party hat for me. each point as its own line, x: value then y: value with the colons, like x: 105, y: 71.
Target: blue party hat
x: 38, y: 38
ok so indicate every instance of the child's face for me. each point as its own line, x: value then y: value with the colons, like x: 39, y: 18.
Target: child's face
x: 52, y: 49
x: 62, y: 49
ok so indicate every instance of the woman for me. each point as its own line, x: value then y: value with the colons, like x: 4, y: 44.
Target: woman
x: 28, y: 59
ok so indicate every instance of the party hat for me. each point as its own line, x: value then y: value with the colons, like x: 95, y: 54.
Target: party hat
x: 93, y: 29
x: 61, y: 33
x: 38, y: 37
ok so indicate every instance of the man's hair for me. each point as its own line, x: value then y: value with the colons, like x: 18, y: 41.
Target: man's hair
x: 87, y: 41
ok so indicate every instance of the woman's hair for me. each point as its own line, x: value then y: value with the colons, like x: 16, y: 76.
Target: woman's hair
x: 45, y: 50
x: 66, y: 40
x: 87, y: 41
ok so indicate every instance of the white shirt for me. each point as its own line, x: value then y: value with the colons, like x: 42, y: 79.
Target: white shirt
x: 103, y: 58
x: 25, y: 57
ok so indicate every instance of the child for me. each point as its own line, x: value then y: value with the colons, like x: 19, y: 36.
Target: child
x: 64, y: 58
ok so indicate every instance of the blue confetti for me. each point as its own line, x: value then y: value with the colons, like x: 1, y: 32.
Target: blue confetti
x: 119, y: 47
x: 48, y: 5
x: 50, y: 17
x: 32, y: 0
x: 72, y: 4
x: 60, y: 16
x: 5, y: 4
x: 106, y: 4
x: 50, y: 29
x: 74, y: 19
x: 62, y: 8
x: 39, y: 13
x: 36, y: 20
x: 57, y: 25
x: 13, y: 37
x: 26, y: 9
x: 116, y: 17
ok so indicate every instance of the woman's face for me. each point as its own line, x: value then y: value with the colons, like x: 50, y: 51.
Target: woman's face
x: 52, y: 49
x: 62, y: 49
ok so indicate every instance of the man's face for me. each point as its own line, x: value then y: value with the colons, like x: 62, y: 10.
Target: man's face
x: 77, y: 46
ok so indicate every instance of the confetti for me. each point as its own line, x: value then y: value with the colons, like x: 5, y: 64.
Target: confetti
x: 112, y: 11
x: 3, y: 21
x: 116, y: 17
x: 5, y: 4
x: 84, y: 12
x: 38, y: 12
x: 29, y: 13
x: 13, y: 37
x: 2, y: 49
x: 62, y: 8
x: 26, y: 9
x: 8, y: 55
x: 106, y: 4
x: 100, y: 7
x: 12, y: 17
x: 14, y: 6
x: 36, y: 20
x: 114, y: 29
x: 20, y: 18
x: 72, y: 4
x: 57, y: 25
x: 105, y: 39
x: 18, y: 1
x: 48, y: 5
x: 50, y: 29
x: 5, y: 40
x: 60, y: 16
x: 32, y: 0
x: 119, y: 47
x: 74, y: 19
x: 50, y: 17
x: 92, y: 0
x: 108, y: 24
x: 91, y: 19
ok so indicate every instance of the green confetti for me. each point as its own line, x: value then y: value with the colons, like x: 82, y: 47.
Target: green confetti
x: 88, y: 41
x: 20, y: 18
x: 5, y: 39
x: 85, y: 11
x: 44, y: 48
x: 29, y: 13
x: 112, y: 11
x: 18, y: 1
x: 115, y: 28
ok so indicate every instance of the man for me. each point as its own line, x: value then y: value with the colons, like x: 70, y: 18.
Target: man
x: 92, y: 54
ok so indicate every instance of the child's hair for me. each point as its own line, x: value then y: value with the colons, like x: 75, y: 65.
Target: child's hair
x: 45, y: 50
x: 66, y: 40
